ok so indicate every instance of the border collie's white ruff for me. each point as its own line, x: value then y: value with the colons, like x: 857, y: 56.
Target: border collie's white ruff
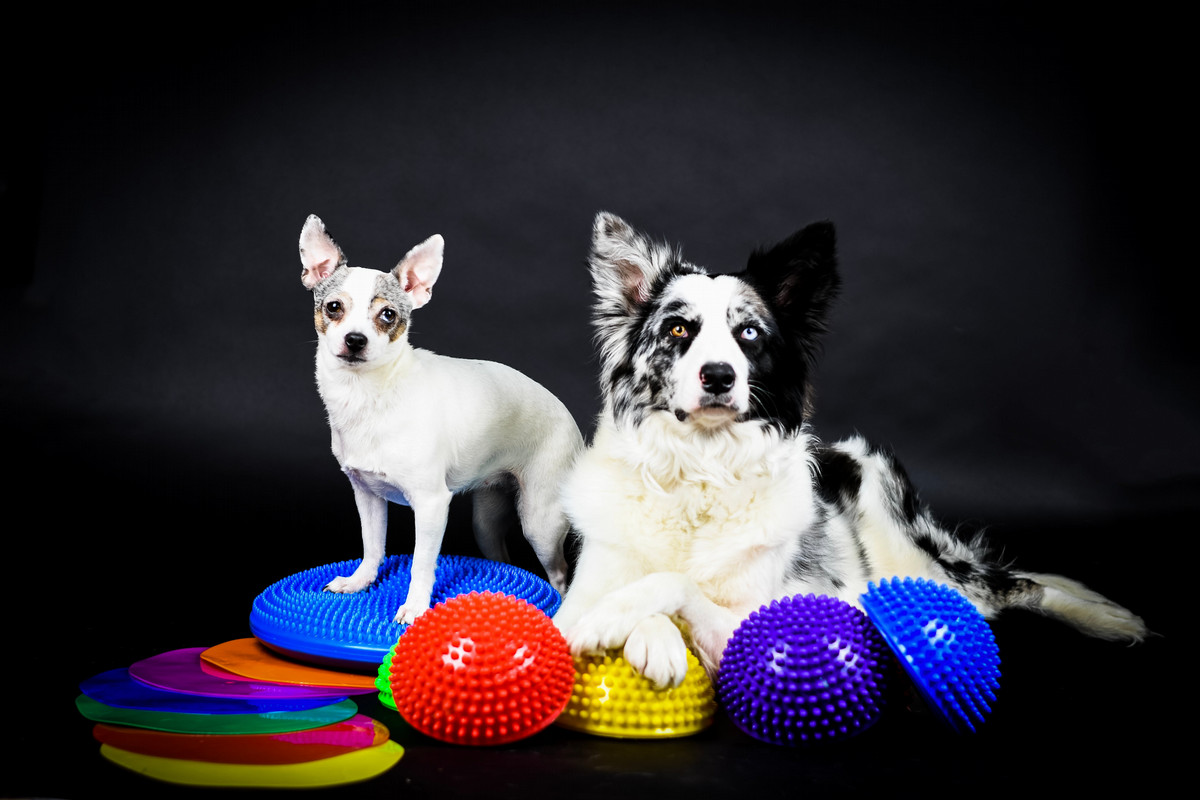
x: 413, y: 427
x: 704, y: 494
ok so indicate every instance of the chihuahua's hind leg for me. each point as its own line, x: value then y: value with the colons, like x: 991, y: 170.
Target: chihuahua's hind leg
x: 545, y: 527
x: 492, y: 520
x: 372, y: 515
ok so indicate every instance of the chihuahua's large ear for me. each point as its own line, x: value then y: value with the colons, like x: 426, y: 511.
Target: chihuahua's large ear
x: 418, y: 271
x: 799, y: 277
x: 319, y: 254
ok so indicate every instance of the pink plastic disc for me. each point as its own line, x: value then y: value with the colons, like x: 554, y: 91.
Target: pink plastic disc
x: 180, y: 671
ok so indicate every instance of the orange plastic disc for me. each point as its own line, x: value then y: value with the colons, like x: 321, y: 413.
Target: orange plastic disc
x: 250, y: 658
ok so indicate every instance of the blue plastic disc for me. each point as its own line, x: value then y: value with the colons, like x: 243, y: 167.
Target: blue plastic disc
x: 117, y: 689
x: 944, y: 644
x: 295, y: 616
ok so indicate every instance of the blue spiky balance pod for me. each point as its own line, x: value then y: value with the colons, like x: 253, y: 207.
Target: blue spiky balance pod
x: 943, y: 642
x: 295, y: 616
x: 803, y: 670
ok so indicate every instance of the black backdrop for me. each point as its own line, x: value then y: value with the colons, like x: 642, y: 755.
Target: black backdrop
x: 1004, y: 179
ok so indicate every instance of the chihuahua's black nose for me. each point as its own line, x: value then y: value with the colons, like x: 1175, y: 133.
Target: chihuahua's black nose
x: 355, y: 342
x: 717, y: 377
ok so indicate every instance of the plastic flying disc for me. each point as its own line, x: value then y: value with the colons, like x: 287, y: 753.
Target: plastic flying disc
x: 297, y: 617
x: 289, y: 747
x: 179, y: 671
x: 610, y: 698
x: 116, y: 688
x: 177, y: 722
x: 944, y: 644
x: 250, y: 659
x: 352, y: 767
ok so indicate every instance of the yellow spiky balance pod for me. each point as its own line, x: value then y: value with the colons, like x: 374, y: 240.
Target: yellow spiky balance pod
x: 609, y: 698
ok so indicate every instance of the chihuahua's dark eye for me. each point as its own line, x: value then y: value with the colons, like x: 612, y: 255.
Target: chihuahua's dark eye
x: 388, y: 315
x: 333, y: 308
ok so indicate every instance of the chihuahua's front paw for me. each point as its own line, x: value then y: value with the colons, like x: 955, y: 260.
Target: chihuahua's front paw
x: 655, y: 648
x: 349, y: 585
x: 407, y: 614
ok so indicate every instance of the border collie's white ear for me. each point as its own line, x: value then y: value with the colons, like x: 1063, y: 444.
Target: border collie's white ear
x: 623, y: 263
x: 319, y: 254
x: 418, y: 271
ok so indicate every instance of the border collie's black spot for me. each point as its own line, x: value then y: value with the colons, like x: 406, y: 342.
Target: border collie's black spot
x: 839, y: 478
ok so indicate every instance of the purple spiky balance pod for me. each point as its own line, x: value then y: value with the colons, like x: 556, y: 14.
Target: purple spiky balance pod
x: 803, y: 670
x: 295, y: 616
x: 943, y: 643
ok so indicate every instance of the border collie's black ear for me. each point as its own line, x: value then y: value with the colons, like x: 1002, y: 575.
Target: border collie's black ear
x: 799, y: 276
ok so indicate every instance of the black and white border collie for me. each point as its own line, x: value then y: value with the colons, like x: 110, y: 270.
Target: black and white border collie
x: 705, y: 495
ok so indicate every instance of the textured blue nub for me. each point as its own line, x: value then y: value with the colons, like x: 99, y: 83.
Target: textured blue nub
x: 802, y: 670
x: 943, y: 642
x: 296, y: 616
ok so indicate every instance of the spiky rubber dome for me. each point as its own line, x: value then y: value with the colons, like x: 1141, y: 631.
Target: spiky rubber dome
x: 611, y: 699
x: 803, y: 670
x: 481, y: 669
x: 944, y: 644
x: 296, y: 616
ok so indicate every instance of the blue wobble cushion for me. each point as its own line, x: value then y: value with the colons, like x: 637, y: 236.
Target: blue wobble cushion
x: 295, y: 616
x: 943, y: 642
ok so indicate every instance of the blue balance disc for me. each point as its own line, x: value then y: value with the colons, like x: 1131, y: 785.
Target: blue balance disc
x: 295, y: 616
x: 943, y: 642
x: 804, y: 670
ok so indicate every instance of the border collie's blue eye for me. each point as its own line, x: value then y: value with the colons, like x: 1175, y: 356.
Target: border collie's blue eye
x: 749, y: 334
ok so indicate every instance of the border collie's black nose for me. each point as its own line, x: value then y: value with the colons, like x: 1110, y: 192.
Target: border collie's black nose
x: 355, y: 342
x: 717, y: 377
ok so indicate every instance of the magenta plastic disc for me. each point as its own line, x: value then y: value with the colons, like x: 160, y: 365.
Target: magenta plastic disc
x: 180, y: 671
x: 289, y: 747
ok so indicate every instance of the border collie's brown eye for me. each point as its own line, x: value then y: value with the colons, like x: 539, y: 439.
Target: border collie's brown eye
x: 679, y: 332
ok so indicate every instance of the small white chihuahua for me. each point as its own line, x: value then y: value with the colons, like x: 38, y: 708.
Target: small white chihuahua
x: 413, y: 427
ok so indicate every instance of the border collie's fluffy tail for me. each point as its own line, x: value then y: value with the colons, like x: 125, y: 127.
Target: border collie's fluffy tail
x: 1075, y: 604
x: 896, y: 534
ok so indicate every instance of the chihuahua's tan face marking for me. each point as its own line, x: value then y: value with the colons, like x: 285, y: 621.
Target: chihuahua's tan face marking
x: 391, y: 307
x: 387, y: 319
x: 330, y: 312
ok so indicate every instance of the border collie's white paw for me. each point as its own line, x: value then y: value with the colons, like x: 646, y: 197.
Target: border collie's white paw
x: 602, y: 628
x: 655, y: 648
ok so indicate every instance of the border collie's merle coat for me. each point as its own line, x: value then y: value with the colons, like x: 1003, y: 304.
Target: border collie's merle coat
x: 704, y: 494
